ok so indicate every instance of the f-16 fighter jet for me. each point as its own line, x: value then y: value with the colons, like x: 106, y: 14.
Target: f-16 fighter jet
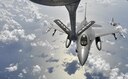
x: 85, y: 34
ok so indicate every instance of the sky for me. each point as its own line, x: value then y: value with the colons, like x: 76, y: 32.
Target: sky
x: 27, y: 51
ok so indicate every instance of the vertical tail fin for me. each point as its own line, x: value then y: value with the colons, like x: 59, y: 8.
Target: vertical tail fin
x: 85, y: 11
x: 113, y: 23
x: 113, y: 20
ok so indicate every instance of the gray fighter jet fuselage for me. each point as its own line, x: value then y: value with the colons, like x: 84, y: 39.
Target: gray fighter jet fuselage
x: 83, y: 44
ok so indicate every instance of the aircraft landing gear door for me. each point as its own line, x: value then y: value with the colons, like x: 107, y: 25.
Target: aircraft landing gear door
x: 83, y: 40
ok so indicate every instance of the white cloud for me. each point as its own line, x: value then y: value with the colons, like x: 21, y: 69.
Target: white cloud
x: 114, y: 73
x: 7, y: 36
x: 20, y: 75
x: 20, y: 50
x: 39, y: 43
x: 11, y: 29
x: 126, y: 65
x: 121, y: 47
x: 126, y: 76
x: 109, y: 54
x: 15, y: 35
x: 44, y: 43
x: 24, y: 71
x: 44, y: 77
x: 33, y: 44
x: 31, y: 56
x: 98, y: 65
x: 12, y: 68
x: 36, y: 69
x: 30, y: 37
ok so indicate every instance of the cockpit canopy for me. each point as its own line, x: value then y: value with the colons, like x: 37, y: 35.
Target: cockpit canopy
x: 83, y: 40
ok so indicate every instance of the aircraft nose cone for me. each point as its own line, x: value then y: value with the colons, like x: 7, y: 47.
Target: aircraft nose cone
x: 82, y: 57
x: 81, y: 60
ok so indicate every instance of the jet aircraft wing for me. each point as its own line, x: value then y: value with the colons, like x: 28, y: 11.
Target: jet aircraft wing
x: 105, y: 31
x: 57, y: 24
x: 55, y: 27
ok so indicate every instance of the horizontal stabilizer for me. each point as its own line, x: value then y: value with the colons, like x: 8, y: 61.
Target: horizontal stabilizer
x: 62, y: 26
x: 85, y: 27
